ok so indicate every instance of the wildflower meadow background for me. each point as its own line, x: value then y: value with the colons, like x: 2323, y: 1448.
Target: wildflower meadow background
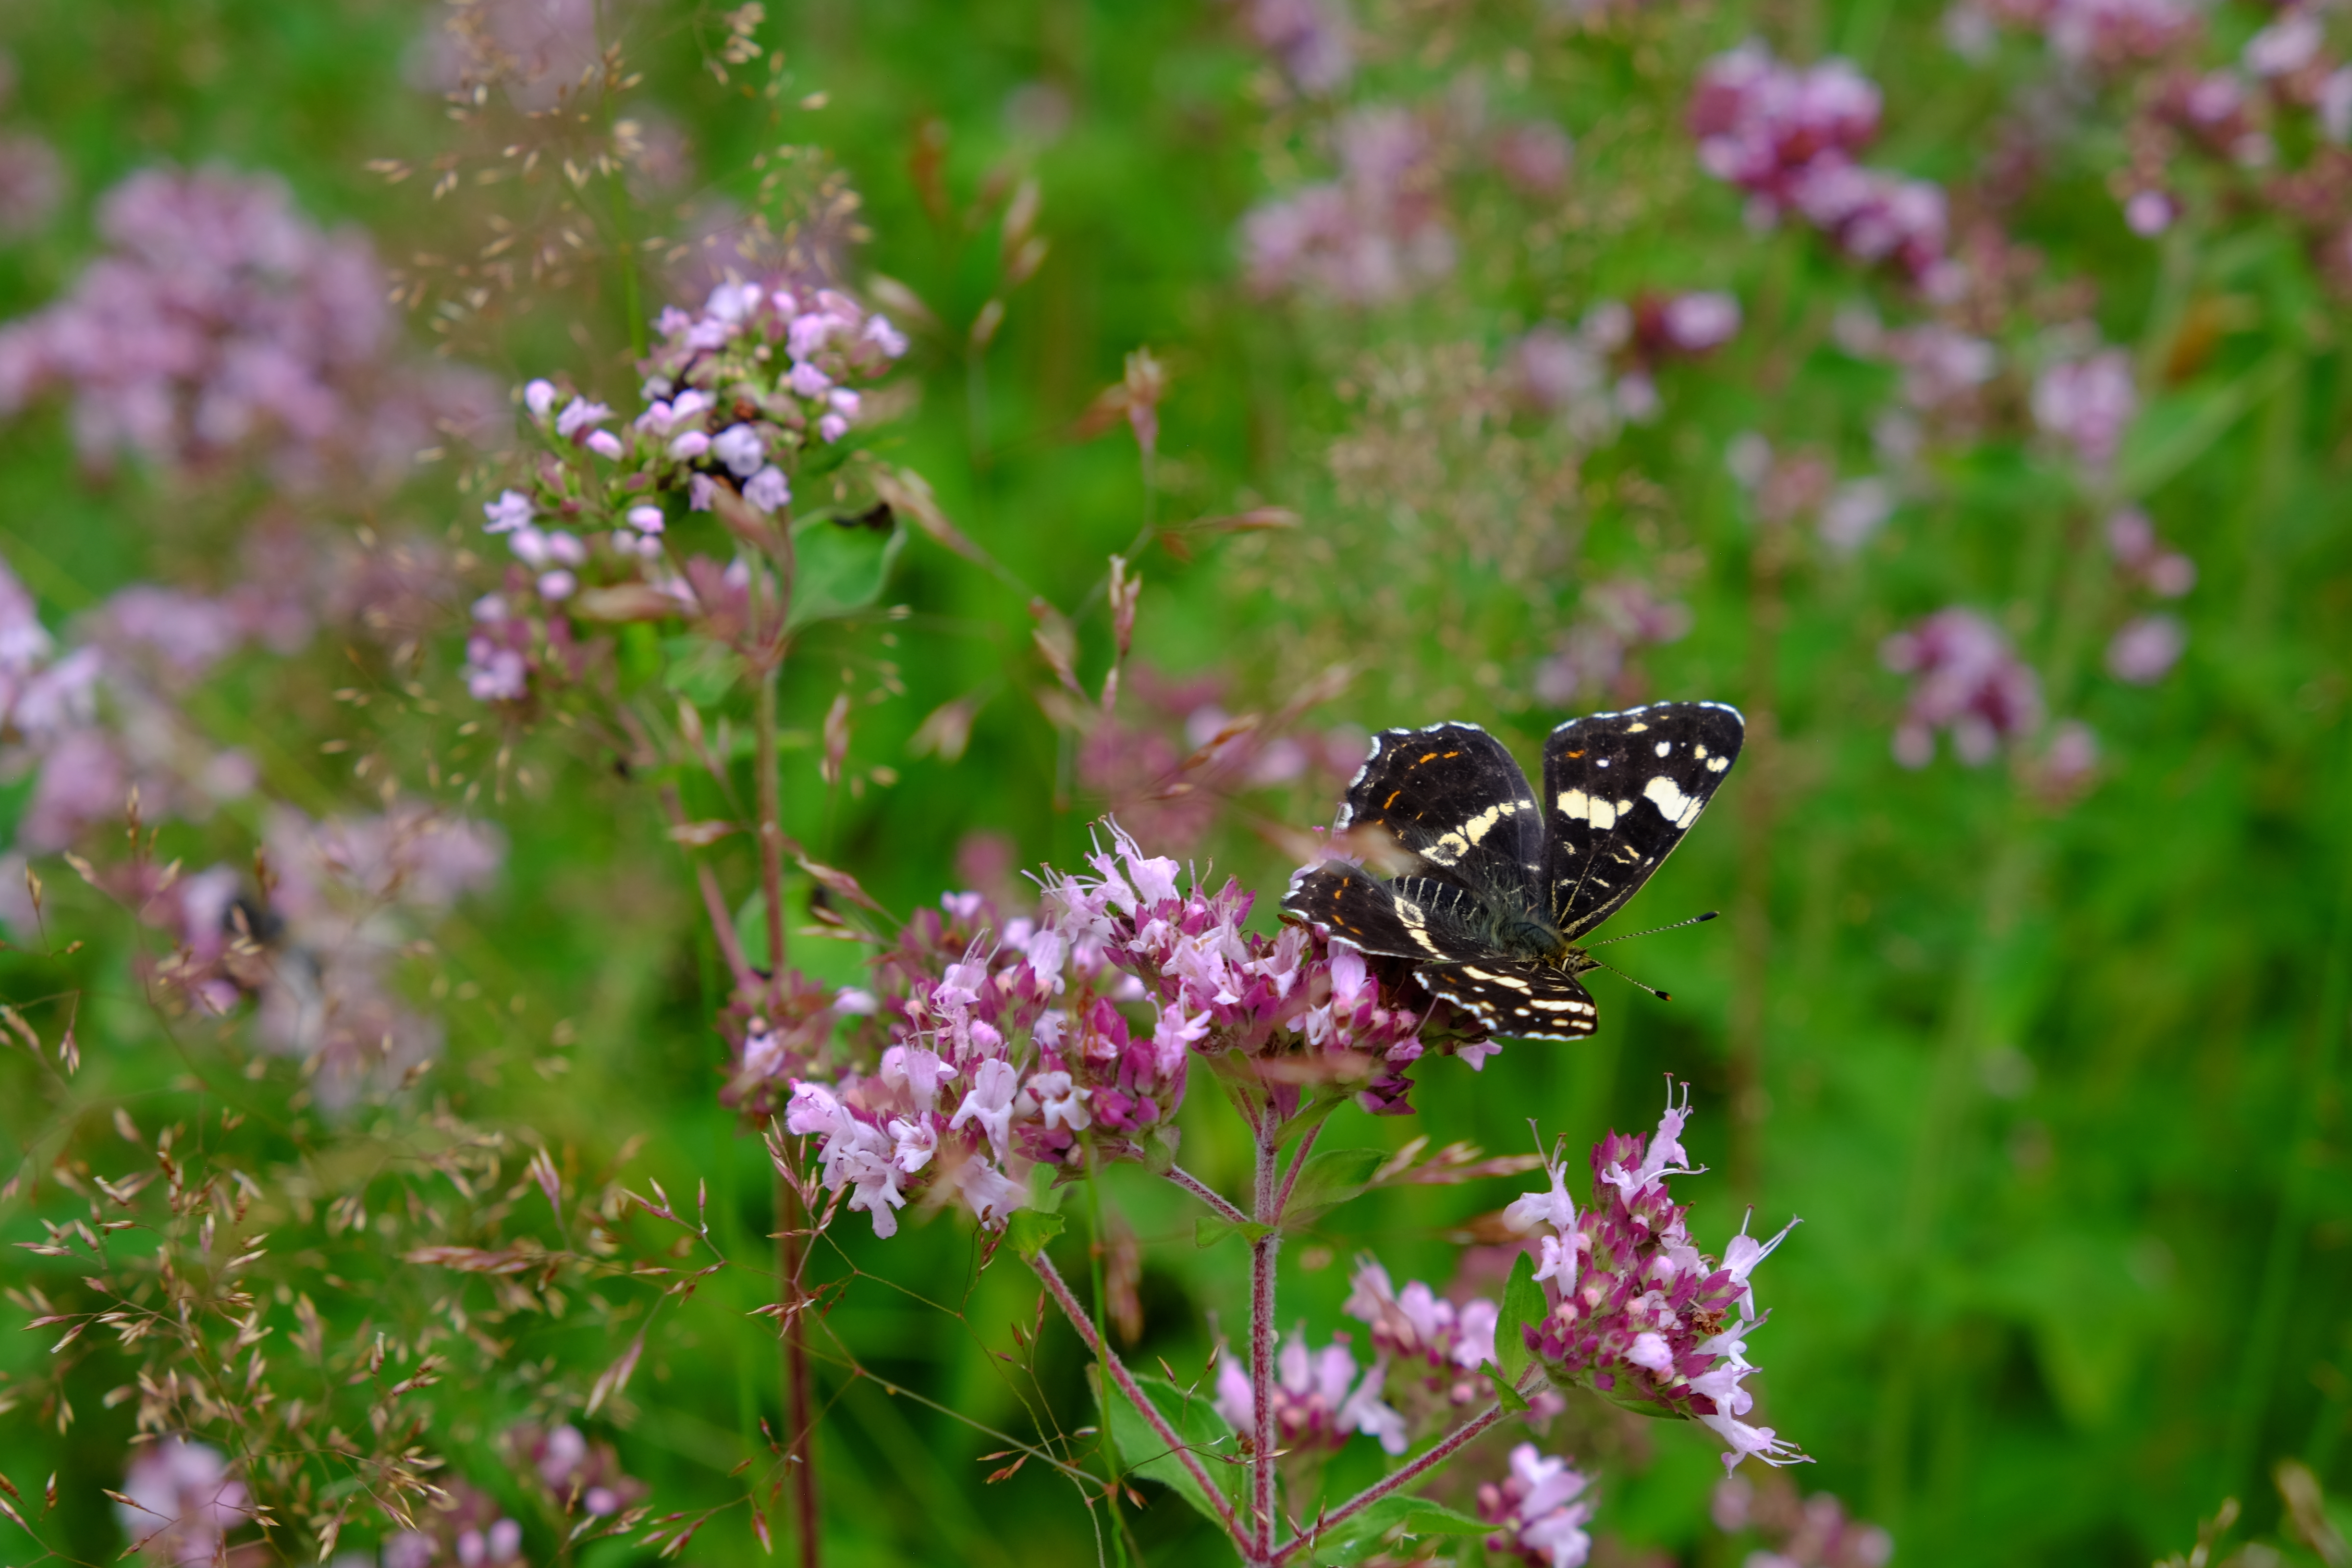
x: 663, y: 666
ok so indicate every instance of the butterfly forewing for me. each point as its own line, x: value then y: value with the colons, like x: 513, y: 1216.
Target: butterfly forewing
x: 1412, y: 918
x: 1454, y: 795
x: 1620, y: 791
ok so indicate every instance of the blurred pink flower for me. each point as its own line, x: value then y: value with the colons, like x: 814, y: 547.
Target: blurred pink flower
x: 1534, y: 155
x: 1375, y: 234
x: 1312, y: 40
x: 219, y: 322
x: 1318, y: 1399
x: 1966, y: 681
x: 183, y: 1502
x: 2146, y: 648
x: 2088, y: 403
x: 1542, y: 1507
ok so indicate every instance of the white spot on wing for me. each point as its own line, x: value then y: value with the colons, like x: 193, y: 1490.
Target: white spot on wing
x: 1672, y: 803
x: 1716, y: 764
x: 1665, y: 746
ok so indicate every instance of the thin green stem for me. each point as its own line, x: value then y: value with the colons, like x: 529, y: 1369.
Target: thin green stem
x: 1102, y: 1337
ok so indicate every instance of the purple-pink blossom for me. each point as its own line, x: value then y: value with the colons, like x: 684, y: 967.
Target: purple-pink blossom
x: 1790, y: 138
x: 999, y: 1044
x: 2147, y: 647
x: 1319, y: 1401
x: 1965, y: 680
x: 1313, y: 41
x: 1375, y: 234
x: 1540, y: 1509
x: 2087, y: 404
x: 220, y: 322
x: 1633, y: 1310
x: 182, y: 1503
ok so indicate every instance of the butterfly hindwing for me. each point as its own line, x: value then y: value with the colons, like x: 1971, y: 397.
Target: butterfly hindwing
x: 1620, y: 791
x: 1519, y: 1001
x: 1453, y: 794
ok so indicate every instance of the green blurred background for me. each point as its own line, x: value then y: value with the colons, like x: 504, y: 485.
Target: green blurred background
x: 2056, y: 1089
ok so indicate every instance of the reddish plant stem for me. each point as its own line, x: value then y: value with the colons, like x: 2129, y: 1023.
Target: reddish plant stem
x: 1387, y: 1486
x: 798, y: 1424
x: 1116, y: 1371
x: 1268, y: 1213
x: 1208, y: 1195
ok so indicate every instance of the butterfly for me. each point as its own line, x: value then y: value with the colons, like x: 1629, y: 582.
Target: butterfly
x: 1501, y: 884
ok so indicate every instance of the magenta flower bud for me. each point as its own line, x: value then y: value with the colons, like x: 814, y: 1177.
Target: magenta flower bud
x: 539, y: 396
x: 832, y: 428
x: 807, y: 381
x: 646, y: 519
x: 557, y: 585
x: 567, y: 549
x: 690, y: 446
x: 604, y: 443
x: 845, y: 402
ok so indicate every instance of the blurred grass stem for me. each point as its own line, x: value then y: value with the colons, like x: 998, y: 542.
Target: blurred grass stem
x: 800, y: 1449
x: 2305, y: 1158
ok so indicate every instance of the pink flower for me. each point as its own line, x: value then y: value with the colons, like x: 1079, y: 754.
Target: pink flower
x: 1318, y: 1399
x: 1648, y: 1319
x: 2146, y: 648
x: 183, y: 1502
x: 2087, y: 404
x: 580, y: 415
x: 511, y: 511
x: 1311, y: 41
x: 1694, y: 323
x: 1541, y: 1508
x: 1966, y: 679
x: 740, y: 448
x: 768, y: 489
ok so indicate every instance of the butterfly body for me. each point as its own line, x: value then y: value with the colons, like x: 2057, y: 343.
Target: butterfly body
x: 1500, y: 885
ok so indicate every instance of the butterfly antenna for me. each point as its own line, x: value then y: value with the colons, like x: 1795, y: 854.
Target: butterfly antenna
x: 1653, y: 930
x: 1629, y: 980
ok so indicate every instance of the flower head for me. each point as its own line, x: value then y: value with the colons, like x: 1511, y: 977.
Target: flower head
x: 1644, y: 1318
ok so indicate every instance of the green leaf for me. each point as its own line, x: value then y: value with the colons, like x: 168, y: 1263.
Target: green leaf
x: 1209, y: 1230
x: 1195, y: 1420
x: 1329, y: 1178
x: 839, y: 565
x: 701, y: 670
x: 1505, y: 1394
x: 1522, y: 1304
x: 1360, y: 1535
x: 1031, y: 1229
